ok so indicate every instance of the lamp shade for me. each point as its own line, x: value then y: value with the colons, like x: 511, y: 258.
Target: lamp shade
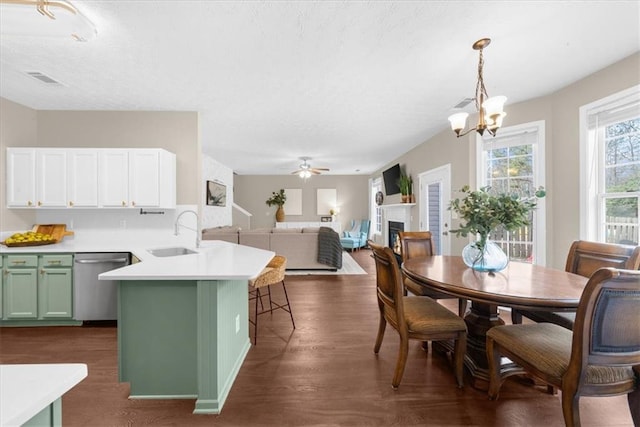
x: 458, y: 121
x: 494, y: 106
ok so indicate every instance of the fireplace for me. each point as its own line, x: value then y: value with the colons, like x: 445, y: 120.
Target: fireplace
x: 394, y: 239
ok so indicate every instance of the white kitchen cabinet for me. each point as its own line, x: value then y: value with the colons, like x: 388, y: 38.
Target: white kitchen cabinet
x: 90, y: 178
x: 138, y: 178
x: 114, y: 178
x: 51, y: 177
x: 82, y: 178
x: 21, y: 177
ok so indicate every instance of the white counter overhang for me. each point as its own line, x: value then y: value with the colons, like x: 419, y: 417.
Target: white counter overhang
x: 215, y: 260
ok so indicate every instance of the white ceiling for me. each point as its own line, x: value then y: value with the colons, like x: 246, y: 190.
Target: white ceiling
x: 352, y: 84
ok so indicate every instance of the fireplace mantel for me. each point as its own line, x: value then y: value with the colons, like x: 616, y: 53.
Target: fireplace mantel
x: 397, y: 205
x: 399, y: 212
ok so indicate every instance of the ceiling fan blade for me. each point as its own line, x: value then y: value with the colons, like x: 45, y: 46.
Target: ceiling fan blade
x: 296, y: 172
x: 320, y: 169
x: 313, y: 171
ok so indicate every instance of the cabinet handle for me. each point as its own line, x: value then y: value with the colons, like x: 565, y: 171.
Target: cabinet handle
x: 19, y: 262
x: 124, y: 203
x: 70, y: 203
x: 54, y: 262
x: 133, y: 203
x: 39, y: 203
x: 29, y: 203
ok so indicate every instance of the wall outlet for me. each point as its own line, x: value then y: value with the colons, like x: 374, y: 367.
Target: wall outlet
x: 237, y: 323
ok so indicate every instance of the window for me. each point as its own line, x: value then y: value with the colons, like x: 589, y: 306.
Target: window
x: 610, y: 168
x: 376, y: 211
x: 513, y: 163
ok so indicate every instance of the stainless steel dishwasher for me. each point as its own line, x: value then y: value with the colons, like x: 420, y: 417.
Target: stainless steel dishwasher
x: 96, y: 299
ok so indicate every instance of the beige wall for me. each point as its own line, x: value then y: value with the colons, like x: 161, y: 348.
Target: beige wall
x: 251, y: 192
x: 18, y: 127
x: 560, y: 111
x: 174, y: 131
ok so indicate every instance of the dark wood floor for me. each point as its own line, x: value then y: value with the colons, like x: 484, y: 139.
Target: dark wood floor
x: 322, y: 374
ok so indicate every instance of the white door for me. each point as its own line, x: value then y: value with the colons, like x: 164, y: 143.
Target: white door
x: 435, y: 195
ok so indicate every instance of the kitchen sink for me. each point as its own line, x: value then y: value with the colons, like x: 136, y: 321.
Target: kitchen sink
x: 167, y: 252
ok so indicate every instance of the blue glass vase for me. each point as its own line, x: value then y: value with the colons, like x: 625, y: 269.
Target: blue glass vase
x: 492, y: 258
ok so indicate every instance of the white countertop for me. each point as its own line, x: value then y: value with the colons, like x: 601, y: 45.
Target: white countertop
x: 25, y: 390
x: 214, y: 260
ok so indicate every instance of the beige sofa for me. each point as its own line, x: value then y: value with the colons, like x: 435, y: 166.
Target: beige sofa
x: 298, y: 245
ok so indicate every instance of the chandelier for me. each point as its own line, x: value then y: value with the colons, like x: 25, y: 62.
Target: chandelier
x: 490, y: 110
x: 44, y: 18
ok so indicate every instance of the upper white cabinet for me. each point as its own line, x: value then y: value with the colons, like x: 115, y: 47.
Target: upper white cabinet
x: 51, y: 178
x: 90, y: 178
x: 82, y: 178
x: 21, y: 177
x: 138, y: 178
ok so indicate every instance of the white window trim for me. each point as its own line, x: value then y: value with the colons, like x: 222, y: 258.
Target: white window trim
x: 372, y: 205
x: 539, y: 216
x: 589, y: 217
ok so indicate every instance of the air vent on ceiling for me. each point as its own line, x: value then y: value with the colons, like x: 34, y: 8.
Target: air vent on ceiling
x: 464, y: 103
x: 43, y: 78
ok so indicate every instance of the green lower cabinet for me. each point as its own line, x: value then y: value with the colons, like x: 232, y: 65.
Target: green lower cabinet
x: 55, y: 287
x: 37, y: 289
x: 1, y: 285
x: 21, y: 287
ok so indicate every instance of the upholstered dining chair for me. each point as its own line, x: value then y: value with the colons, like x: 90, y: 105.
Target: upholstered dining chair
x: 272, y: 274
x: 419, y: 244
x: 418, y: 317
x: 585, y: 258
x: 595, y: 359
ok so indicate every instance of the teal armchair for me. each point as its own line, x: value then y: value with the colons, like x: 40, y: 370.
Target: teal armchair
x: 356, y: 237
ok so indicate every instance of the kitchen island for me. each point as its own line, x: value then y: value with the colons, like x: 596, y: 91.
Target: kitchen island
x: 183, y: 322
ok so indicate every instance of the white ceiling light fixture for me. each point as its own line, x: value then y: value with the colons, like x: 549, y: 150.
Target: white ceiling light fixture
x: 44, y: 18
x: 306, y: 170
x: 490, y: 110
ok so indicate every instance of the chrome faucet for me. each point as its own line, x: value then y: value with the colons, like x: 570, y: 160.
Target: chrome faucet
x: 197, y: 230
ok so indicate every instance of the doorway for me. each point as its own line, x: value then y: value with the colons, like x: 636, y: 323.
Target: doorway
x: 435, y: 196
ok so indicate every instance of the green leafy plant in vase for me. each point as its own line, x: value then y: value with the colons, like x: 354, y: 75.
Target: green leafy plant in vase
x: 482, y: 212
x: 405, y: 183
x: 278, y: 199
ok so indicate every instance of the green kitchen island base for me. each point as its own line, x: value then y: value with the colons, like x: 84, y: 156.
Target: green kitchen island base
x: 182, y: 339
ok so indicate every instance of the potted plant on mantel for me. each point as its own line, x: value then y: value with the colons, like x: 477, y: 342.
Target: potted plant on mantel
x: 278, y: 199
x: 406, y: 187
x: 483, y: 212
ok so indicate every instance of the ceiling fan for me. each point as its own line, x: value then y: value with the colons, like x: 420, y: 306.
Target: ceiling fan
x: 306, y: 170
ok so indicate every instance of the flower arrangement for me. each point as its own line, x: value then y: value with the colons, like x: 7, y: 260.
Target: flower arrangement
x: 482, y: 212
x: 277, y: 199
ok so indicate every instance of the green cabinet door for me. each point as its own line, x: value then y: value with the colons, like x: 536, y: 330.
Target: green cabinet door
x: 55, y: 287
x: 1, y: 287
x: 20, y: 287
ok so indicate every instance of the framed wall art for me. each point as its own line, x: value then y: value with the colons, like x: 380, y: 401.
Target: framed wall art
x: 216, y: 194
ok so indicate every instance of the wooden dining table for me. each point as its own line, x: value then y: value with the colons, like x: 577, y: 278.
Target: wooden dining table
x: 519, y: 285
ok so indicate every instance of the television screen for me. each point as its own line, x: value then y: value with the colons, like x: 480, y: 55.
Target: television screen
x: 391, y: 177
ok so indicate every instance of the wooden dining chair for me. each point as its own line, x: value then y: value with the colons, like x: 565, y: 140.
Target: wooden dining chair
x: 595, y: 359
x: 420, y: 244
x: 272, y: 274
x: 585, y: 258
x: 418, y: 317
